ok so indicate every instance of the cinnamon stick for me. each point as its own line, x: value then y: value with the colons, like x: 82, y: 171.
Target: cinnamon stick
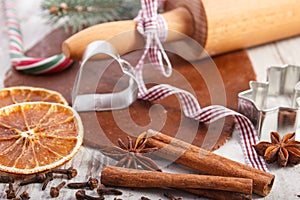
x: 218, y: 194
x: 117, y: 176
x: 208, y: 162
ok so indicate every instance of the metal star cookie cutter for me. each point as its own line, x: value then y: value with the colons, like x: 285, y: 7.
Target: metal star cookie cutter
x: 273, y: 105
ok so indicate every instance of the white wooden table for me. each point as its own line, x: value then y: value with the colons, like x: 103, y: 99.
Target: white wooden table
x: 89, y: 162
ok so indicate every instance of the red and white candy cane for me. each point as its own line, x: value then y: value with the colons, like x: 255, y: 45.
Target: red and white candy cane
x: 19, y: 60
x: 152, y: 27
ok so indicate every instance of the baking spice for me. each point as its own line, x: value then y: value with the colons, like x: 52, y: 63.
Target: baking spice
x: 91, y: 184
x: 123, y: 177
x: 145, y: 198
x: 218, y: 194
x: 70, y: 172
x: 80, y: 195
x: 207, y: 162
x: 284, y: 151
x: 49, y: 177
x: 54, y: 191
x: 7, y: 179
x: 10, y: 193
x: 132, y: 155
x: 102, y: 190
x: 25, y: 196
x: 171, y: 197
x: 38, y: 178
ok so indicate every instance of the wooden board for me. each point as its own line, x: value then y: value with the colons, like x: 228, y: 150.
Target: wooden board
x: 235, y: 69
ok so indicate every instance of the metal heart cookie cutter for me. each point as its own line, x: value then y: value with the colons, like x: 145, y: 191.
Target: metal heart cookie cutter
x: 273, y: 105
x: 88, y: 78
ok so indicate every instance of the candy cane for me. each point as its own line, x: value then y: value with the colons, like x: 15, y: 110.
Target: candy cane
x: 19, y: 60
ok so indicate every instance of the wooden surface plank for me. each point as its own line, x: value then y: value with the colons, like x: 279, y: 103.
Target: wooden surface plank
x: 274, y: 54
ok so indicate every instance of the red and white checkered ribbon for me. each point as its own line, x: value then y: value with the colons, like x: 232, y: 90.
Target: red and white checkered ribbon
x: 149, y: 22
x: 21, y: 62
x: 149, y: 25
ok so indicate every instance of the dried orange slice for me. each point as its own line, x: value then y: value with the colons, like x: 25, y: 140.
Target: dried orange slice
x: 19, y: 94
x: 38, y: 136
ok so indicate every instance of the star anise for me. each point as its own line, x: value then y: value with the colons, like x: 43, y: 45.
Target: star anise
x: 132, y: 155
x: 284, y: 151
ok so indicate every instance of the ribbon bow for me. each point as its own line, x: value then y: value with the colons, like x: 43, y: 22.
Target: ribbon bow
x: 154, y: 29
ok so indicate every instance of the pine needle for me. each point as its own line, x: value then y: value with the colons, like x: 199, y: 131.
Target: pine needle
x: 78, y: 14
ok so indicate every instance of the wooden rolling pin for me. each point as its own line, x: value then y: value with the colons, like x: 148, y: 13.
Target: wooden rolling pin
x: 219, y: 26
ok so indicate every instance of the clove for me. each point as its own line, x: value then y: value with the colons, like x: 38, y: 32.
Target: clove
x: 48, y: 178
x: 54, y: 191
x: 25, y: 196
x: 92, y: 183
x: 80, y: 195
x: 6, y: 179
x: 102, y: 190
x: 144, y: 198
x: 171, y: 197
x: 10, y: 193
x: 38, y: 178
x: 70, y: 172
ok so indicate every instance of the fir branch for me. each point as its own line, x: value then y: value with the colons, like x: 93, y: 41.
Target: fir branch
x: 83, y: 13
